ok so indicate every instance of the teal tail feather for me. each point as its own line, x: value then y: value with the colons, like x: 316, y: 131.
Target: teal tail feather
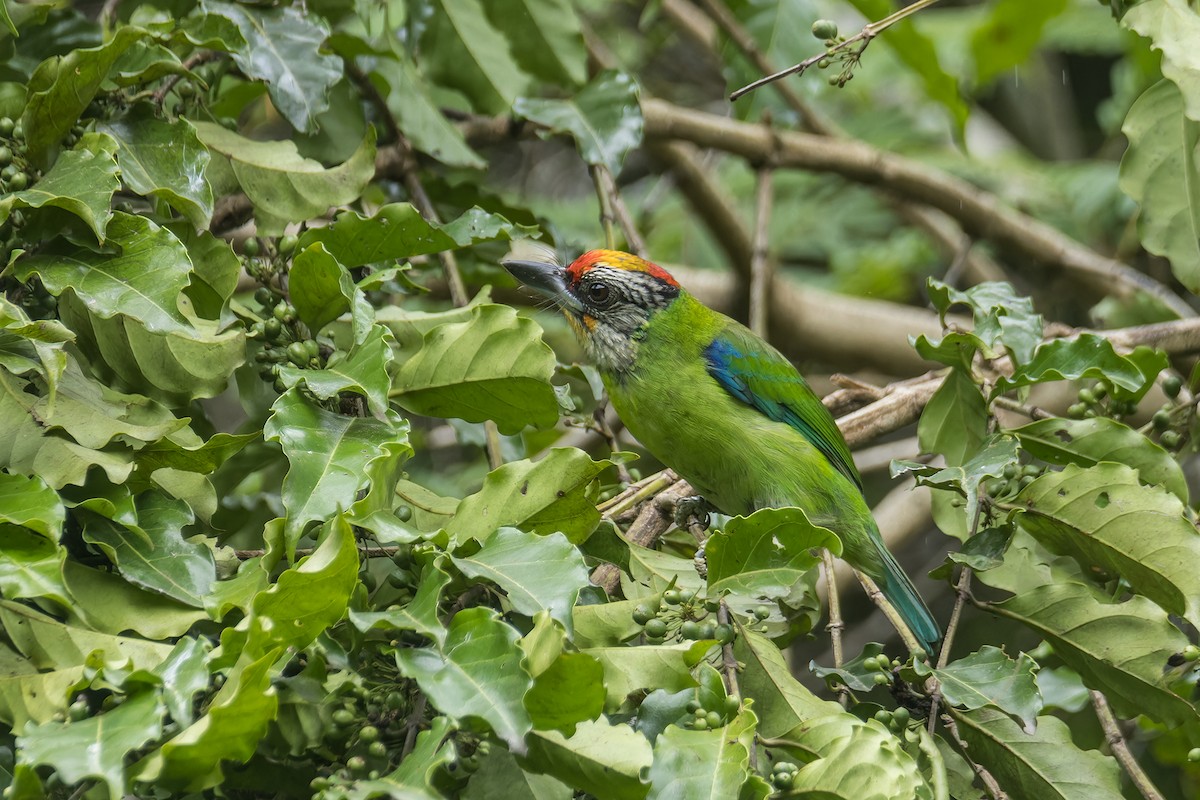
x: 901, y: 593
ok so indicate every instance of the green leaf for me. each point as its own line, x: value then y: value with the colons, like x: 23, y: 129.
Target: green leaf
x: 152, y: 553
x: 661, y: 666
x: 420, y: 614
x: 461, y: 50
x: 1009, y: 34
x: 854, y: 673
x: 1119, y: 649
x: 569, y: 691
x: 1089, y: 356
x: 412, y: 103
x: 954, y: 422
x: 164, y: 160
x: 95, y: 747
x: 557, y: 493
x: 106, y: 602
x: 414, y: 778
x: 476, y: 673
x: 604, y: 118
x: 500, y: 778
x: 767, y: 553
x: 1171, y: 26
x: 203, y: 458
x: 50, y: 644
x: 493, y: 366
x: 1045, y: 764
x: 989, y: 677
x: 602, y: 759
x: 1100, y: 515
x: 315, y: 282
x: 515, y: 561
x: 283, y: 50
x: 1001, y: 317
x: 29, y: 502
x: 328, y: 454
x: 31, y: 566
x: 61, y: 88
x: 33, y: 345
x: 544, y: 36
x: 143, y: 280
x: 1086, y: 442
x: 184, y: 674
x: 363, y: 370
x: 697, y: 764
x: 82, y: 182
x: 395, y: 231
x: 235, y: 723
x: 1160, y: 173
x: 283, y: 184
x: 989, y: 462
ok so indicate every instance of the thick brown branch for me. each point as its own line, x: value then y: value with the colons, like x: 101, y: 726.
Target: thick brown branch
x: 1120, y: 749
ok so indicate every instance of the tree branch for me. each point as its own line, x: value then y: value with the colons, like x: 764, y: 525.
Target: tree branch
x: 1120, y: 748
x: 761, y: 268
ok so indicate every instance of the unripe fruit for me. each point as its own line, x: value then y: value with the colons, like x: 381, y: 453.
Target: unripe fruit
x: 250, y: 247
x: 368, y: 734
x: 287, y: 244
x: 762, y: 612
x: 264, y: 296
x: 1087, y: 396
x: 732, y: 704
x: 656, y: 628
x: 902, y: 716
x: 1194, y: 754
x: 1162, y: 419
x: 825, y: 29
x: 356, y: 764
x: 78, y: 710
x: 6, y: 156
x: 1172, y: 385
x: 690, y: 630
x: 6, y: 126
x: 343, y: 716
x: 297, y: 353
x: 672, y: 597
x: 783, y: 780
x: 724, y: 634
x: 1077, y: 411
x: 713, y: 719
x: 18, y: 182
x: 403, y: 513
x: 377, y: 749
x: 1191, y: 653
x: 1170, y: 440
x: 272, y: 328
x: 882, y: 679
x: 642, y: 614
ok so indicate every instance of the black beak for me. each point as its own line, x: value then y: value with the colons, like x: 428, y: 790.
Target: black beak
x: 543, y: 278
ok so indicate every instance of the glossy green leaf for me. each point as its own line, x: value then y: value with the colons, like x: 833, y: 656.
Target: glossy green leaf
x: 1086, y: 442
x: 854, y: 673
x: 315, y: 287
x: 1100, y: 517
x: 556, y: 493
x: 1160, y: 172
x: 492, y: 366
x: 283, y: 49
x: 661, y: 666
x: 283, y: 184
x: 569, y: 691
x: 602, y: 759
x: 766, y: 554
x: 420, y: 614
x: 476, y: 673
x: 462, y: 50
x: 33, y: 345
x: 1171, y: 26
x: 82, y: 182
x: 411, y: 101
x: 604, y: 118
x: 516, y: 562
x: 215, y: 271
x: 1009, y: 34
x: 1089, y: 356
x: 96, y: 747
x: 989, y: 677
x: 500, y: 778
x: 203, y: 458
x: 710, y: 763
x: 989, y: 462
x: 184, y: 674
x: 954, y: 422
x: 164, y: 160
x: 327, y: 453
x: 106, y: 602
x: 1045, y: 764
x: 1117, y: 648
x: 544, y: 36
x: 143, y: 279
x: 363, y: 370
x: 29, y: 502
x: 1001, y: 317
x: 31, y: 566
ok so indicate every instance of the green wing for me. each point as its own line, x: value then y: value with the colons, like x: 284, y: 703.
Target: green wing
x: 758, y: 375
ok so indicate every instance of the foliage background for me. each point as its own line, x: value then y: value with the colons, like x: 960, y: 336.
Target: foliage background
x: 294, y: 503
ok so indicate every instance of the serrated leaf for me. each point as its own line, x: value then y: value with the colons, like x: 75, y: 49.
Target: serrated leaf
x: 604, y: 118
x: 1086, y: 442
x: 699, y: 764
x: 362, y: 370
x: 327, y: 454
x: 82, y: 182
x: 1119, y: 649
x: 766, y: 554
x: 143, y: 279
x: 283, y: 184
x: 164, y: 160
x: 556, y: 493
x: 515, y: 561
x: 1100, y: 517
x: 602, y: 759
x: 476, y: 673
x: 659, y: 666
x: 27, y: 501
x: 1171, y: 26
x: 989, y: 462
x: 461, y: 50
x: 1160, y: 173
x: 989, y: 677
x: 544, y: 36
x: 954, y: 422
x: 283, y: 49
x: 31, y: 566
x: 1009, y: 34
x: 96, y: 747
x: 492, y: 366
x: 1045, y: 764
x: 1088, y: 355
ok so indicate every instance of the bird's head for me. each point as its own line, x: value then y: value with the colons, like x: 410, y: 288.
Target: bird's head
x: 607, y: 296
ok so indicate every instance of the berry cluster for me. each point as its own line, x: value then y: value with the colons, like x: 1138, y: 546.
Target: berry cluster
x: 674, y: 616
x: 704, y: 719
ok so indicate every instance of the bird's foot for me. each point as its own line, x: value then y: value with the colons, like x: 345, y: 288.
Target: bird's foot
x: 700, y: 562
x: 692, y: 513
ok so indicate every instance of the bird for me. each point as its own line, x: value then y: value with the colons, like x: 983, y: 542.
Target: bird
x: 720, y: 406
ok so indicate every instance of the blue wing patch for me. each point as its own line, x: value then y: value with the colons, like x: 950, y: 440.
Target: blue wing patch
x: 760, y: 388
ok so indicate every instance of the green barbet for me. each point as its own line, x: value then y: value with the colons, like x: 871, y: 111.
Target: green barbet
x: 720, y: 406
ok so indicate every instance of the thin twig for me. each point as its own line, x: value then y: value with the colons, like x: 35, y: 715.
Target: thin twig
x: 605, y: 201
x: 1033, y: 412
x: 1120, y: 748
x: 761, y: 272
x: 836, y: 624
x: 190, y: 63
x: 600, y: 415
x: 989, y: 782
x: 869, y: 32
x: 413, y: 725
x: 729, y: 668
x: 633, y: 239
x: 873, y: 592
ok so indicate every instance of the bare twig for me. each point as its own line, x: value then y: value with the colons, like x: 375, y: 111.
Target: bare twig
x: 605, y: 201
x: 761, y: 273
x: 869, y: 32
x: 633, y: 240
x: 1120, y: 748
x: 836, y: 624
x: 989, y: 782
x: 413, y: 725
x: 653, y: 521
x: 889, y: 611
x: 600, y: 415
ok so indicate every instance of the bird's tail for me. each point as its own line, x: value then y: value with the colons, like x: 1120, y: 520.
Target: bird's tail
x: 903, y: 596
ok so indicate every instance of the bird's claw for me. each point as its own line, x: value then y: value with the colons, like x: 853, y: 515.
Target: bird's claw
x: 693, y: 511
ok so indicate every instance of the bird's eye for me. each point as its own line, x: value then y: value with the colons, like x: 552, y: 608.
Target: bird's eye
x: 597, y: 292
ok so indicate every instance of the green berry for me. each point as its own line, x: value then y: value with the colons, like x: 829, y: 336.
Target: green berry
x: 1194, y: 754
x: 1191, y: 653
x: 1161, y: 419
x: 825, y: 29
x: 699, y: 711
x: 287, y: 244
x: 1100, y: 389
x: 902, y: 716
x: 185, y: 89
x: 1031, y: 470
x: 1087, y: 396
x: 356, y: 764
x: 312, y: 348
x: 272, y: 329
x: 343, y: 716
x: 882, y: 679
x: 377, y: 749
x: 283, y: 310
x: 1077, y: 411
x: 6, y: 156
x: 672, y: 597
x: 18, y: 182
x: 690, y: 630
x: 264, y: 296
x: 1172, y: 385
x: 1026, y: 480
x: 297, y: 353
x: 368, y: 734
x: 692, y: 706
x: 6, y: 126
x: 1010, y: 471
x: 713, y: 719
x: 394, y: 701
x: 400, y: 579
x: 642, y: 614
x: 783, y: 780
x: 700, y: 724
x: 251, y: 247
x: 18, y: 131
x: 656, y: 628
x: 762, y: 612
x: 1170, y: 439
x: 724, y: 634
x: 884, y: 716
x: 279, y: 385
x: 732, y: 704
x: 78, y: 710
x: 403, y: 513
